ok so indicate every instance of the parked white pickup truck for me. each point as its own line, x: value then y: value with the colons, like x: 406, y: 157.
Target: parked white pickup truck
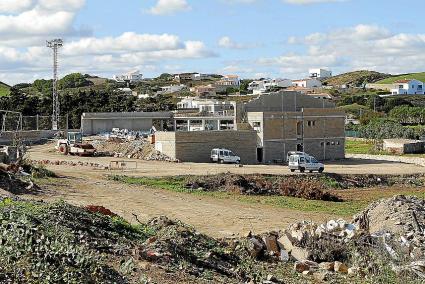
x: 305, y: 162
x: 224, y: 156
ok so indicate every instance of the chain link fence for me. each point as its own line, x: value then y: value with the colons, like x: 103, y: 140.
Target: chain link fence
x: 15, y: 122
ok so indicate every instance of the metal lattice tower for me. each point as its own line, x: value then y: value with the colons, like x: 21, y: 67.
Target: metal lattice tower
x: 55, y: 45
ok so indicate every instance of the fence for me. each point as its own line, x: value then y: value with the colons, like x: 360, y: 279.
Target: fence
x: 14, y: 122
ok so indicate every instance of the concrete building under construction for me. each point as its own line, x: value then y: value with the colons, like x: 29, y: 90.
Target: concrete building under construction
x: 263, y: 130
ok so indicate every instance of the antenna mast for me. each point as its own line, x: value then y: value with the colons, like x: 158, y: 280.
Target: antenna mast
x: 55, y: 45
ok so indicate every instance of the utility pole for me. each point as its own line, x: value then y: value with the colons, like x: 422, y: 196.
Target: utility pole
x: 55, y: 45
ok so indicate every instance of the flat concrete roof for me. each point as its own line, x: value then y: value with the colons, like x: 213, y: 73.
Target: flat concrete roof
x: 127, y: 115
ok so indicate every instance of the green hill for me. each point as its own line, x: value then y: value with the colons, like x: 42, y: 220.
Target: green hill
x: 391, y: 80
x: 356, y: 78
x: 4, y: 89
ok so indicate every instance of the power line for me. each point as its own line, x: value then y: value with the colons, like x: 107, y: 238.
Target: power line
x: 55, y: 45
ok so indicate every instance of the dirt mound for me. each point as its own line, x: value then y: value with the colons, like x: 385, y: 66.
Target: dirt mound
x: 293, y: 186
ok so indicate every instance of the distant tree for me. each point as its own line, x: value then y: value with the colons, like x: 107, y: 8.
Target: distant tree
x: 74, y: 80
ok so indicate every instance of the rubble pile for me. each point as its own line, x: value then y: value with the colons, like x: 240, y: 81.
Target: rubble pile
x: 139, y: 148
x: 389, y: 232
x: 307, y: 188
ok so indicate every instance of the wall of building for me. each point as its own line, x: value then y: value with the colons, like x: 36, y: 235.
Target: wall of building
x: 197, y: 146
x: 320, y: 131
x: 285, y: 101
x: 96, y: 123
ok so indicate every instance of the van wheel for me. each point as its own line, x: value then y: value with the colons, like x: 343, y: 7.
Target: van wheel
x: 321, y: 170
x: 292, y: 171
x: 238, y: 162
x: 221, y: 162
x: 302, y: 170
x: 311, y: 172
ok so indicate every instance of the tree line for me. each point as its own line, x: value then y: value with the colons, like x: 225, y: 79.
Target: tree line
x: 74, y: 104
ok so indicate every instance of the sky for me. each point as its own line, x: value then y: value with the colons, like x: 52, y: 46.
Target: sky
x: 250, y: 38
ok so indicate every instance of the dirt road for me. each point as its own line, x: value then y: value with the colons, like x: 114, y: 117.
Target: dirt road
x: 153, y: 168
x: 216, y: 217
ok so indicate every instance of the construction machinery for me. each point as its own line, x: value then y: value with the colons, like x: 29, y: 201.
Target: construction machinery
x: 73, y: 145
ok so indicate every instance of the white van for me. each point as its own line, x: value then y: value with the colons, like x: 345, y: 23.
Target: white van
x: 304, y: 162
x: 224, y: 156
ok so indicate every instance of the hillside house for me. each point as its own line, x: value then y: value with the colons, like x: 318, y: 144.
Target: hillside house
x: 408, y: 87
x: 170, y: 89
x: 259, y: 87
x: 320, y: 73
x: 204, y: 91
x: 229, y: 81
x: 307, y: 83
x: 132, y: 77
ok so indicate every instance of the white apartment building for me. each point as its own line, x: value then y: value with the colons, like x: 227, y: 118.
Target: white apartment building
x: 132, y: 77
x: 408, y: 87
x: 320, y: 73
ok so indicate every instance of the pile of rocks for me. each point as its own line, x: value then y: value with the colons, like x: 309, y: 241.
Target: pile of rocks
x: 392, y: 230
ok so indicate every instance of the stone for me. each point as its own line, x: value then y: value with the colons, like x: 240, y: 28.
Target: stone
x: 284, y: 255
x: 321, y: 276
x: 300, y: 267
x: 285, y: 243
x: 271, y: 244
x: 255, y: 247
x: 328, y: 266
x: 340, y: 267
x: 300, y: 253
x: 271, y: 278
x: 308, y: 272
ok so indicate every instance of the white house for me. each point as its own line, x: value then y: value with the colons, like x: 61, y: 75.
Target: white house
x: 320, y: 73
x: 171, y: 89
x: 263, y: 86
x: 229, y: 81
x: 408, y: 87
x: 307, y: 83
x: 131, y: 77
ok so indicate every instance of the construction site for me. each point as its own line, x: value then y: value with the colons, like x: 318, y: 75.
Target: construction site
x: 138, y: 198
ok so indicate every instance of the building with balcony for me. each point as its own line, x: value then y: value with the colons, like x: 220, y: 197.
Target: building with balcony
x: 194, y: 114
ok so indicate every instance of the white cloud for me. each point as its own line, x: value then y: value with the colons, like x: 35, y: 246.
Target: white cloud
x: 37, y: 19
x: 227, y: 42
x: 167, y: 7
x: 359, y: 47
x: 13, y: 6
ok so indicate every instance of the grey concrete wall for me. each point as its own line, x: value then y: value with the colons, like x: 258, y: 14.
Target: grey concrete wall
x: 27, y: 136
x: 96, y: 123
x: 197, y: 146
x: 91, y: 127
x: 285, y: 101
